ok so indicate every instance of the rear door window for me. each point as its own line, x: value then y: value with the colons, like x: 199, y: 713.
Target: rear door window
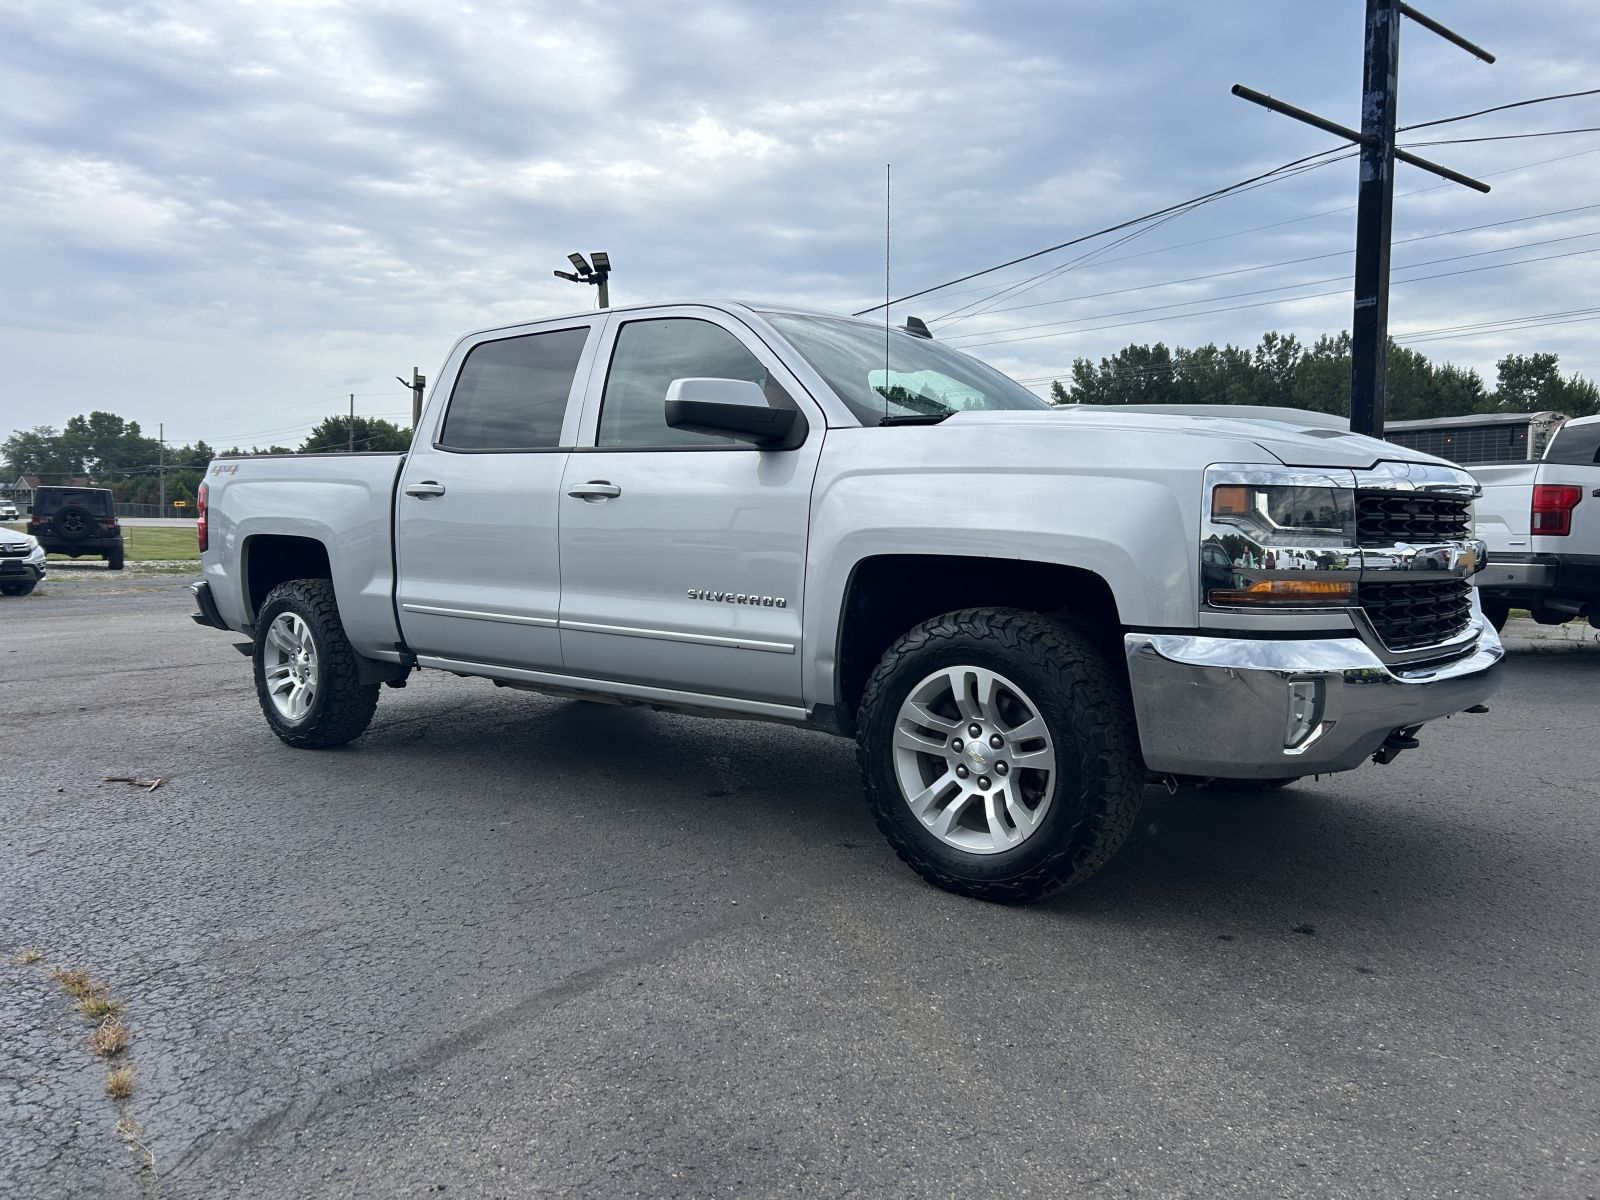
x: 511, y: 394
x: 1575, y: 445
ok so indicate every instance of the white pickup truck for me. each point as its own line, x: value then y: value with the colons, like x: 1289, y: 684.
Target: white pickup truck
x: 1541, y: 523
x: 1021, y: 615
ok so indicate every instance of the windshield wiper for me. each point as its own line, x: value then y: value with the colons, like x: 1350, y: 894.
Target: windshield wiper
x: 917, y: 418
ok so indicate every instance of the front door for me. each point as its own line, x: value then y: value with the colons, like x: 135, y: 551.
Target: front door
x: 476, y: 514
x: 683, y: 554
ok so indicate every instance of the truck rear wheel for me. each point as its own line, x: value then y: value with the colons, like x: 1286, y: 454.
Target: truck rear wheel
x: 307, y: 677
x: 999, y: 754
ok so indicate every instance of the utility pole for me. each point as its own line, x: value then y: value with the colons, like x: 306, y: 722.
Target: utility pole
x: 161, y: 467
x: 352, y: 426
x: 419, y: 381
x: 1380, y: 79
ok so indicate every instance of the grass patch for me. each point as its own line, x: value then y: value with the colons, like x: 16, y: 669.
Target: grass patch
x: 144, y: 543
x: 109, y: 1037
x: 97, y: 1005
x: 27, y: 957
x: 119, y: 1083
x: 75, y: 983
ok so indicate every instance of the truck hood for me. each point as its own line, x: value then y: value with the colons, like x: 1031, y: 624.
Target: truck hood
x: 1312, y: 442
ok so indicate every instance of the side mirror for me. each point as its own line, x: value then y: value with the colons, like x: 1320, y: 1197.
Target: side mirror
x: 733, y: 408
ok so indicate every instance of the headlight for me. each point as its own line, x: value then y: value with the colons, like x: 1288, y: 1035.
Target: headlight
x: 1277, y: 537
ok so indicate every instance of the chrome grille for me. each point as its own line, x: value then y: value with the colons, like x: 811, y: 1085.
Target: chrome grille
x: 1388, y: 518
x: 14, y: 549
x: 1410, y: 615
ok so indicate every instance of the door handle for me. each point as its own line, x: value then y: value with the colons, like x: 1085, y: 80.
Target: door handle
x: 595, y: 489
x: 425, y: 490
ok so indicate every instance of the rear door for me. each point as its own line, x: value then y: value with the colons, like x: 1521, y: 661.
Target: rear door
x: 683, y: 554
x: 479, y: 577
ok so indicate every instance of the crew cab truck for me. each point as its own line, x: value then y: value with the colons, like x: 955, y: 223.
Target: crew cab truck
x: 1541, y: 523
x: 1021, y: 615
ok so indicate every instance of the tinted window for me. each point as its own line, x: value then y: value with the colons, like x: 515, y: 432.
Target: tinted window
x: 649, y: 355
x: 512, y: 394
x: 1575, y: 445
x: 53, y: 499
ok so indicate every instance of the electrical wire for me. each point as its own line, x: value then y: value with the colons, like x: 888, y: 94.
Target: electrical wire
x: 1503, y: 137
x: 1497, y: 108
x: 1287, y: 262
x: 1267, y: 303
x: 1216, y: 193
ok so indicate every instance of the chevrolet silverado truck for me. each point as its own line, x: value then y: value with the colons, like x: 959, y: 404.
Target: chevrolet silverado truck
x: 1541, y: 523
x: 1022, y: 615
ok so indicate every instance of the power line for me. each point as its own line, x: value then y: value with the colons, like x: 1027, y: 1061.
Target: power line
x: 1507, y: 137
x: 1028, y: 283
x: 1331, y: 212
x: 1287, y: 262
x: 1431, y: 262
x: 1497, y: 108
x: 1160, y: 212
x: 1266, y: 303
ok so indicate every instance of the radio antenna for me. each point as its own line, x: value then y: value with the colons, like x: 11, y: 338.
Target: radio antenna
x: 886, y: 292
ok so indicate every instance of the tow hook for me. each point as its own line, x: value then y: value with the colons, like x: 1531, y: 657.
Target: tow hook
x: 1400, y: 739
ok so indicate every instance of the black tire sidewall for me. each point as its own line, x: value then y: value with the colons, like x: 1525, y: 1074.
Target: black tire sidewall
x: 1071, y: 804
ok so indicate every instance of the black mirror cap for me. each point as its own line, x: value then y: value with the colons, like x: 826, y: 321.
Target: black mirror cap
x: 769, y: 428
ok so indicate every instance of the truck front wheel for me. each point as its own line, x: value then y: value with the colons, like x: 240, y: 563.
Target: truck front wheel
x: 307, y: 677
x: 999, y: 754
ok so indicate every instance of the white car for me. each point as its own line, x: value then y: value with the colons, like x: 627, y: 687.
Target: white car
x: 21, y: 563
x: 8, y: 511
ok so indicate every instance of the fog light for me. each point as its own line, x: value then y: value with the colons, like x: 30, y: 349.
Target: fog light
x: 1305, y: 706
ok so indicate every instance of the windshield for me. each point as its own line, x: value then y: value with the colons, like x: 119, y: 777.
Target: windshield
x: 924, y: 379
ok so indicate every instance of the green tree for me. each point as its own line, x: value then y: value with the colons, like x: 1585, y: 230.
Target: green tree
x: 1534, y: 383
x: 39, y: 451
x: 370, y: 433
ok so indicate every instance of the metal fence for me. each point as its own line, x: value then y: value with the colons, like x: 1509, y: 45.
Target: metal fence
x: 154, y: 510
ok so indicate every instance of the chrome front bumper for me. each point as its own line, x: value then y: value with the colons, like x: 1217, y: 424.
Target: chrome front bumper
x: 1217, y: 706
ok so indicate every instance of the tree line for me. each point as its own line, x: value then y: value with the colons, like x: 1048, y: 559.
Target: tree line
x: 116, y: 453
x: 1283, y: 372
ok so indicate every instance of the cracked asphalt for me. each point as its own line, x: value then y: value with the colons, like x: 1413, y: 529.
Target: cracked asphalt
x: 513, y: 946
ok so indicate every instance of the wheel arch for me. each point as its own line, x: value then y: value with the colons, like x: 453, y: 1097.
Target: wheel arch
x: 888, y: 594
x: 268, y: 559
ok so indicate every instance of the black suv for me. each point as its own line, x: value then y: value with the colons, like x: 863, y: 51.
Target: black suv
x: 76, y: 521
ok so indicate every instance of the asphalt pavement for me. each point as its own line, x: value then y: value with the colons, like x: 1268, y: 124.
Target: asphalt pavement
x: 506, y: 945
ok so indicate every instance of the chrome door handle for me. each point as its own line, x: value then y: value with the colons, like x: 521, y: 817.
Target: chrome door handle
x: 595, y: 489
x: 425, y: 490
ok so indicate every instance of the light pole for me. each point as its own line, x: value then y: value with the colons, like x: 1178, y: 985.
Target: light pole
x: 598, y: 274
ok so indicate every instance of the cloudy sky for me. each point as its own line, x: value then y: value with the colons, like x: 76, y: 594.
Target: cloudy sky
x: 225, y: 216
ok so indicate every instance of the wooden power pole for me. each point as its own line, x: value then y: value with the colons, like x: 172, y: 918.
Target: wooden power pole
x: 1380, y: 78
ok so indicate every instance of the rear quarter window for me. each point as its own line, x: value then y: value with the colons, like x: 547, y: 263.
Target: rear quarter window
x: 1575, y: 445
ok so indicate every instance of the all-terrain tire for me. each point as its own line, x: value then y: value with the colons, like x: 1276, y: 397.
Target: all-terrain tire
x: 343, y: 705
x: 114, y: 559
x: 1082, y: 696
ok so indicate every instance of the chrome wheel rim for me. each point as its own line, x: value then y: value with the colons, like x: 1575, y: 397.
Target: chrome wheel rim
x: 289, y: 659
x: 974, y: 760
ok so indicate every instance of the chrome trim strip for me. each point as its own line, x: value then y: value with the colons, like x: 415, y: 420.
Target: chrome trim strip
x: 667, y: 697
x: 669, y: 635
x: 434, y: 610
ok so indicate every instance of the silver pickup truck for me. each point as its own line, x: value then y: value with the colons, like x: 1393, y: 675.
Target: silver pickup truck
x: 1021, y: 614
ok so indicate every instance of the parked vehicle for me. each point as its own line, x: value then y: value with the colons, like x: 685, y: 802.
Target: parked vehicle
x: 1479, y: 437
x: 77, y: 521
x: 1021, y: 615
x: 21, y: 563
x: 1541, y: 522
x: 8, y: 511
